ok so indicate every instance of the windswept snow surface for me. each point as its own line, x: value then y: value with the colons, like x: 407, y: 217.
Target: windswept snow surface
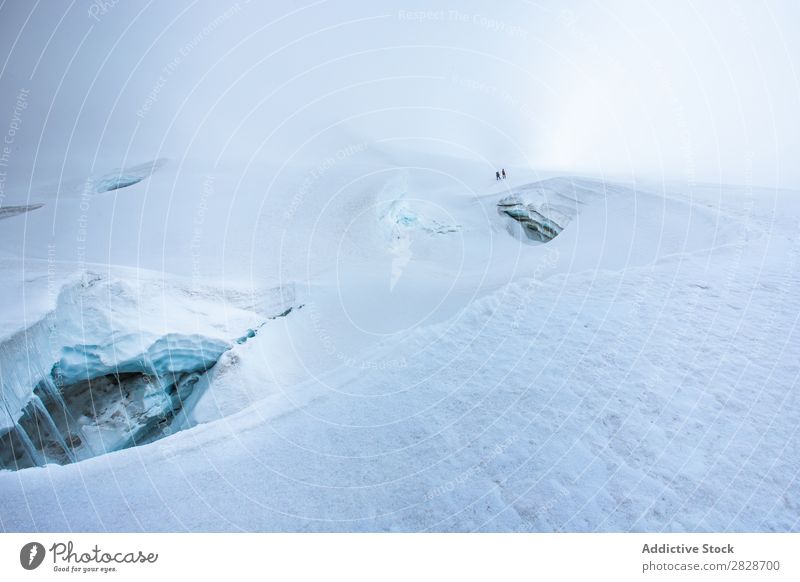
x: 639, y: 371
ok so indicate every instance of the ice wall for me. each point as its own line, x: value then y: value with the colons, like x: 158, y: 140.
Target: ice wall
x: 109, y: 367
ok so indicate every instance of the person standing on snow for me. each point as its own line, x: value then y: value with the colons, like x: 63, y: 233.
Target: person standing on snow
x: 504, y: 173
x: 497, y: 175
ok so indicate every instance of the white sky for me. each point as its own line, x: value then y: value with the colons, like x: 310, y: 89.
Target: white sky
x: 699, y: 91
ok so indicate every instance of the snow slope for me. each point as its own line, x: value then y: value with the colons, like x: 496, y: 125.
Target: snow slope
x: 257, y: 272
x: 638, y: 372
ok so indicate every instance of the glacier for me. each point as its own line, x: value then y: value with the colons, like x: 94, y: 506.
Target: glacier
x: 585, y: 384
x: 268, y: 280
x: 85, y: 380
x: 538, y: 212
x: 124, y: 177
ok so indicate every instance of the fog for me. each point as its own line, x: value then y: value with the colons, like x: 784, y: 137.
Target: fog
x: 686, y: 91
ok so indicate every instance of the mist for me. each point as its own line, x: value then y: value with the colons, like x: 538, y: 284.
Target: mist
x: 692, y: 92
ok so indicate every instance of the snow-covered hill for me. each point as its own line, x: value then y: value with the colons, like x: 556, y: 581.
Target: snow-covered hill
x: 257, y: 272
x: 636, y: 372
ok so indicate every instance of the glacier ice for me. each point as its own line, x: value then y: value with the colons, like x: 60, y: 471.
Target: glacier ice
x: 100, y: 406
x: 106, y: 369
x: 9, y: 211
x: 400, y: 215
x: 538, y: 212
x: 536, y: 225
x: 170, y: 354
x: 125, y: 177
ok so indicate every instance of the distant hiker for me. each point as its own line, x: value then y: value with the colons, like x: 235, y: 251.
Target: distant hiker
x: 497, y: 175
x: 504, y: 173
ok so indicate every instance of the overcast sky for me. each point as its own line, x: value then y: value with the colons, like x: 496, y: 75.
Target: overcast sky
x: 698, y: 91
